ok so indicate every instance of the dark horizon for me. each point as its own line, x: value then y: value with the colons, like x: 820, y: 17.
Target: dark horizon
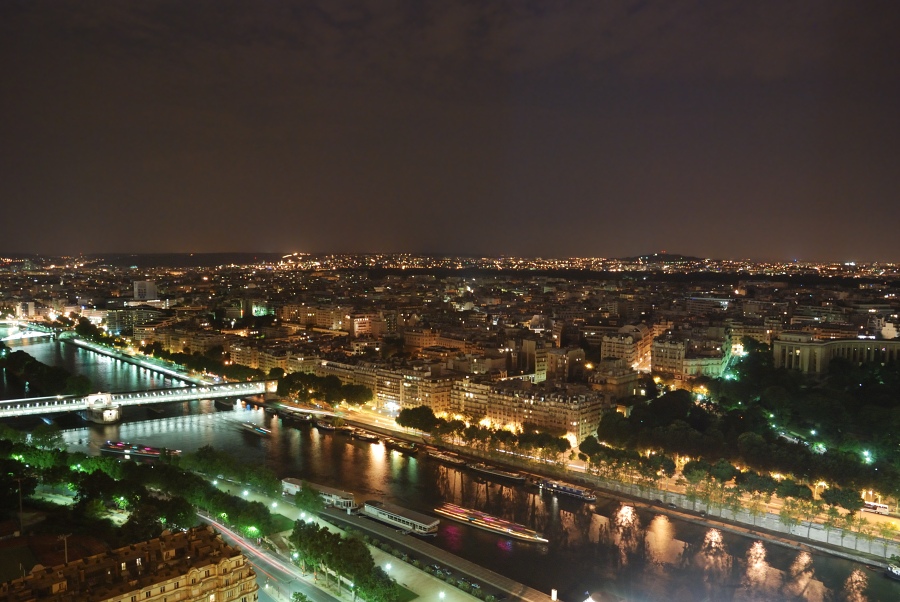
x: 764, y: 130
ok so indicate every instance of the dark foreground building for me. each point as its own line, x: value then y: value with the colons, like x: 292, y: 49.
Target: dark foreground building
x: 190, y: 566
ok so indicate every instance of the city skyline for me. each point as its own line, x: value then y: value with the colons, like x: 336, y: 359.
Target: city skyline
x: 765, y: 131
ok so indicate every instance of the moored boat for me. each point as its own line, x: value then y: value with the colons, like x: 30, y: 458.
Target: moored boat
x: 892, y: 572
x: 408, y: 520
x: 496, y: 472
x: 403, y: 446
x: 361, y: 435
x: 579, y: 493
x: 485, y: 521
x: 448, y: 458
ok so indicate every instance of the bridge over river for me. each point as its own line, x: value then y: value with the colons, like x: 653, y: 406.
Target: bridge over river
x: 106, y: 407
x: 22, y: 329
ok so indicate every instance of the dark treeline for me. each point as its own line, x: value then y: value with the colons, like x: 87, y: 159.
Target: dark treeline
x: 155, y: 496
x: 345, y: 556
x: 49, y: 380
x: 842, y: 431
x: 309, y: 387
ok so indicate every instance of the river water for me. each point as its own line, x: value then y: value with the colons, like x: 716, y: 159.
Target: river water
x: 603, y: 549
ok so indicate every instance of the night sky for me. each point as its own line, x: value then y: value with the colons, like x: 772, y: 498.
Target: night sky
x: 758, y: 129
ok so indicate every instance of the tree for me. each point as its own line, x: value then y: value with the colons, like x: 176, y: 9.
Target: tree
x: 144, y: 523
x: 845, y: 498
x: 421, y: 418
x: 47, y: 436
x: 723, y: 471
x: 832, y: 520
x: 809, y: 509
x: 790, y: 514
x: 177, y: 512
x: 615, y: 429
x: 694, y: 474
x: 309, y: 499
x: 887, y: 530
x: 733, y: 501
x: 356, y: 394
x: 790, y: 489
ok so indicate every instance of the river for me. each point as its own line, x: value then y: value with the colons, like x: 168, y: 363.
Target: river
x: 600, y: 549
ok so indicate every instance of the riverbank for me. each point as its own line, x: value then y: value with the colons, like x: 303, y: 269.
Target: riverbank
x: 767, y: 527
x: 172, y: 371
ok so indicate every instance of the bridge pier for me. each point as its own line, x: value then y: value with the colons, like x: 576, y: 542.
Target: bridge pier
x: 100, y: 409
x: 104, y: 414
x: 271, y: 390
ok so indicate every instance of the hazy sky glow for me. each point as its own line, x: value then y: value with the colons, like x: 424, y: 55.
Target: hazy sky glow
x: 765, y: 129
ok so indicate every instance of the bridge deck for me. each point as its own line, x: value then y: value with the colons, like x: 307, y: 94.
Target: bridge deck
x: 30, y: 406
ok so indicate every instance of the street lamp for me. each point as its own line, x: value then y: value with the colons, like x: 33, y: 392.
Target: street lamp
x: 441, y: 595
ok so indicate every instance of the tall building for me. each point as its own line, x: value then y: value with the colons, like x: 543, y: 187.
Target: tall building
x: 145, y: 290
x: 189, y: 566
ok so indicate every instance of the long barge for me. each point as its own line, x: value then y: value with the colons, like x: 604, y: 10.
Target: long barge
x: 485, y: 521
x: 361, y: 435
x: 496, y: 472
x: 407, y: 520
x: 402, y: 446
x: 255, y: 429
x: 135, y: 450
x: 579, y: 493
x: 448, y: 458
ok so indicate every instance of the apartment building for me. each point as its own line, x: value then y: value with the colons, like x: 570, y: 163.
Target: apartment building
x: 631, y: 343
x: 574, y: 410
x: 189, y: 566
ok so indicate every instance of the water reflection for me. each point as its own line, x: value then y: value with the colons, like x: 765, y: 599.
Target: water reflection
x: 662, y: 547
x: 627, y: 534
x: 799, y: 580
x: 855, y: 587
x: 757, y: 567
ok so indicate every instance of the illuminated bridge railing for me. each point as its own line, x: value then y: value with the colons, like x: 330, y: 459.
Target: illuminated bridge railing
x: 41, y: 405
x: 68, y: 403
x: 189, y: 393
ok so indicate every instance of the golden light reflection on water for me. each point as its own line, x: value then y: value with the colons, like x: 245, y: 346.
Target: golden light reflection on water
x: 626, y: 517
x: 713, y: 558
x: 855, y: 587
x: 662, y: 546
x: 800, y: 582
x: 628, y: 535
x: 757, y: 567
